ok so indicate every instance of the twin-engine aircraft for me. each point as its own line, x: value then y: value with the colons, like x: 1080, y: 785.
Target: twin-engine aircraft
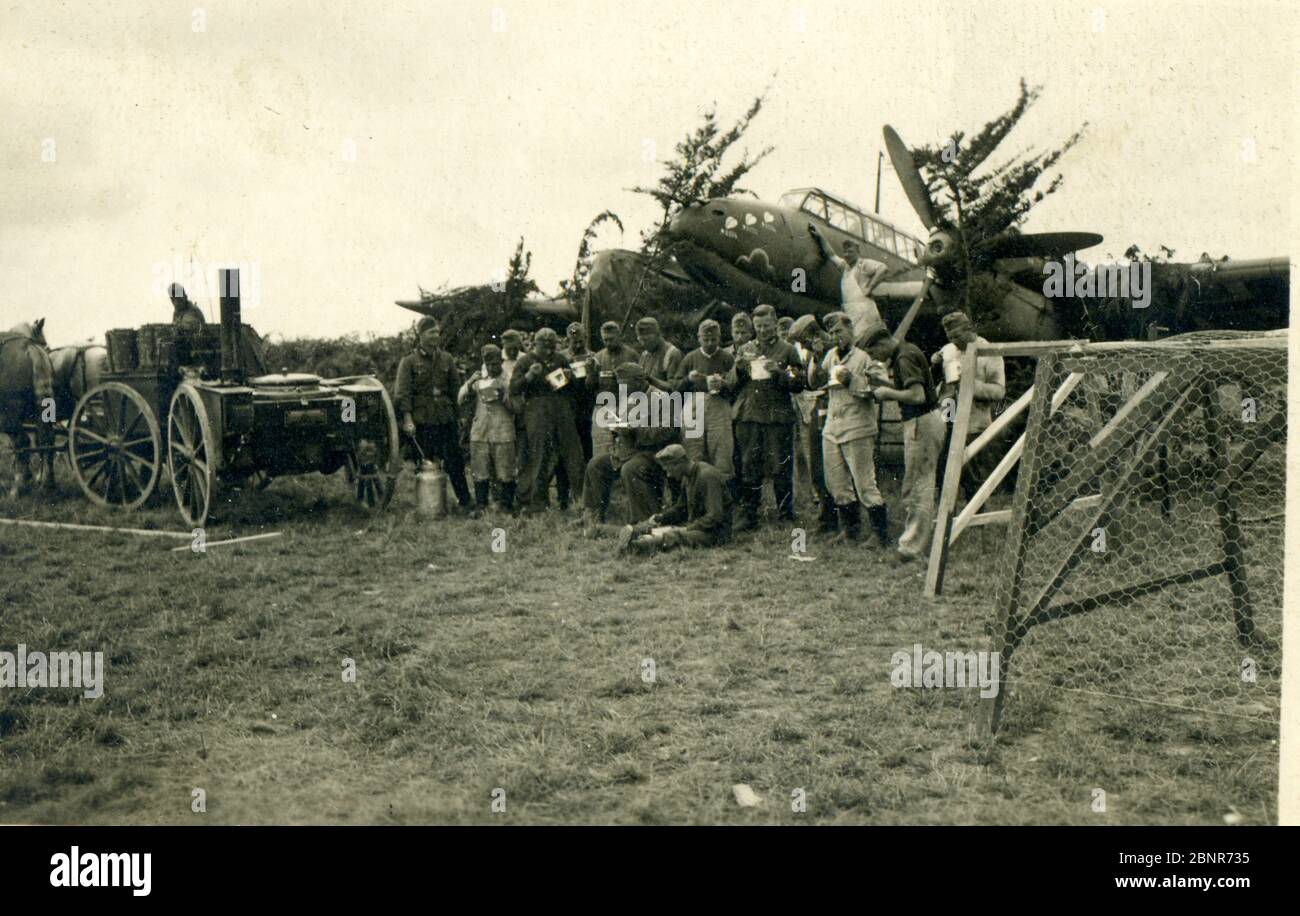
x: 741, y: 252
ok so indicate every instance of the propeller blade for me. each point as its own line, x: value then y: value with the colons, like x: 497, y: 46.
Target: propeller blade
x: 1039, y: 244
x: 910, y: 177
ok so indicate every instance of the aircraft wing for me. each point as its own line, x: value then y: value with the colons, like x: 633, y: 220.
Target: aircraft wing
x: 1249, y: 294
x: 436, y: 305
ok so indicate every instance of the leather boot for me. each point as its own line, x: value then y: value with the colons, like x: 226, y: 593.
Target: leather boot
x: 879, y: 517
x: 851, y: 517
x: 481, y: 490
x: 830, y: 517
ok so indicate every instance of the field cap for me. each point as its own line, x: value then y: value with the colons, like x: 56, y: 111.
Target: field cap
x: 672, y: 452
x: 802, y: 325
x: 875, y: 331
x: 957, y: 321
x: 629, y: 372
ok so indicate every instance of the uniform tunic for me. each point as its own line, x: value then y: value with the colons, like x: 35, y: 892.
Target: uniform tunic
x: 492, y: 435
x: 849, y: 436
x: 426, y: 384
x: 607, y: 361
x: 765, y: 423
x: 716, y: 445
x: 550, y: 427
x: 704, y: 507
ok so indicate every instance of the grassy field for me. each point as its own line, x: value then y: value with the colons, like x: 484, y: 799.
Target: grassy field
x: 523, y: 670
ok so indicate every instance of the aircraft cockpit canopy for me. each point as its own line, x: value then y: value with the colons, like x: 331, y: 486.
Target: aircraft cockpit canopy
x: 845, y: 216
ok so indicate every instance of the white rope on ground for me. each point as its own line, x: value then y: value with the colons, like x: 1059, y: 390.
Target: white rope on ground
x: 70, y: 526
x: 250, y: 537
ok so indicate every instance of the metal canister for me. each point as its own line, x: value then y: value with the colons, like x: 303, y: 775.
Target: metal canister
x: 431, y: 490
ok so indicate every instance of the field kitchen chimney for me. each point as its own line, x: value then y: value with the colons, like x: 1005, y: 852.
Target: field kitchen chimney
x: 231, y: 327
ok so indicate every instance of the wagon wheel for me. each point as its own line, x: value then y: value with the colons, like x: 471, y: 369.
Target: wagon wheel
x: 193, y: 454
x: 372, y: 467
x: 114, y: 446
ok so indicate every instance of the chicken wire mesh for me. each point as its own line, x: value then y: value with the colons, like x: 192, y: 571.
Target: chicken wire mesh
x: 1146, y: 540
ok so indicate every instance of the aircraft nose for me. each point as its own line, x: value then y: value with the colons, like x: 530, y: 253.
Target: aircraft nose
x: 679, y: 225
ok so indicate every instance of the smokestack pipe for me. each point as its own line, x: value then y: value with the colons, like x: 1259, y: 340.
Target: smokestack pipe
x: 231, y: 323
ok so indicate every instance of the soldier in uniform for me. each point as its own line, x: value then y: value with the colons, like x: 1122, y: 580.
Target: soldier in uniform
x: 659, y: 358
x: 542, y: 378
x: 630, y: 459
x: 492, y: 435
x: 427, y: 384
x: 185, y: 314
x: 702, y: 374
x: 614, y: 354
x: 699, y: 517
x: 767, y: 370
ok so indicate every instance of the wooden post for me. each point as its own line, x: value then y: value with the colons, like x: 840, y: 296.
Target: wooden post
x: 1225, y: 507
x: 952, y: 471
x: 1009, y: 595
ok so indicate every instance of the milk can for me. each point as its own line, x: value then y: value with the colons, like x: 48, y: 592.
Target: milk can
x: 431, y: 490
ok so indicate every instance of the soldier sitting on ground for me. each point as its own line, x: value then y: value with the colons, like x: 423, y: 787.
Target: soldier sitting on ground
x: 701, y: 515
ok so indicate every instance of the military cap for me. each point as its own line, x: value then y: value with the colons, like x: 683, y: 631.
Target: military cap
x: 649, y: 321
x: 629, y: 372
x: 802, y: 325
x: 611, y: 326
x: 490, y: 350
x: 424, y: 324
x: 672, y: 452
x: 957, y: 321
x: 875, y: 331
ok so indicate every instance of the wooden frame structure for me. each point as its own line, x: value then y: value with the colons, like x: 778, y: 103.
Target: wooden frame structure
x: 1107, y: 469
x: 947, y: 526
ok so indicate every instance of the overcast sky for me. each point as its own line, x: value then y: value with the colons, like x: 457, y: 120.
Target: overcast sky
x: 354, y: 155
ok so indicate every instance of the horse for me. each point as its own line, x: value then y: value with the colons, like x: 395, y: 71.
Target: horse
x: 27, y: 396
x: 77, y: 369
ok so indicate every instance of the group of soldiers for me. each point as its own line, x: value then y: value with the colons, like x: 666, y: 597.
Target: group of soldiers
x: 783, y: 392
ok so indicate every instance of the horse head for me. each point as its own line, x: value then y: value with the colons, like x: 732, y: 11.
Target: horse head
x: 32, y: 330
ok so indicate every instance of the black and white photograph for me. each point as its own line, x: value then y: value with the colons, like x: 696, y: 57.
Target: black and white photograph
x: 781, y: 413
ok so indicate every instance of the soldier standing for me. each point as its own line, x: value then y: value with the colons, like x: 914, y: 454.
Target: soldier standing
x: 427, y: 383
x: 702, y: 376
x: 858, y: 277
x: 923, y: 430
x: 766, y: 372
x: 542, y: 377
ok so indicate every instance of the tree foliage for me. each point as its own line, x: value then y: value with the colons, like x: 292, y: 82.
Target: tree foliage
x: 573, y: 287
x: 980, y: 202
x: 698, y: 170
x: 474, y: 315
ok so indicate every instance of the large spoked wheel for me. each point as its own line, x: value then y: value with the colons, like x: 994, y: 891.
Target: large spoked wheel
x: 372, y: 467
x: 114, y: 446
x: 192, y: 455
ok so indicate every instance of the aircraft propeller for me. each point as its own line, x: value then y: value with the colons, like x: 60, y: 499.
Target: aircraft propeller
x: 943, y: 242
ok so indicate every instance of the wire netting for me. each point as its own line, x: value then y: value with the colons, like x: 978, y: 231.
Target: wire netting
x: 1147, y: 535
